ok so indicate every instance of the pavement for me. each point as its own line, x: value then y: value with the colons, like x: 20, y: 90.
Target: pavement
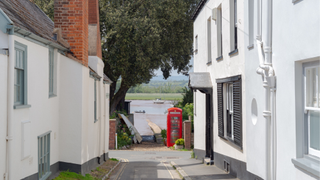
x: 196, y: 170
x: 146, y: 165
x: 151, y: 165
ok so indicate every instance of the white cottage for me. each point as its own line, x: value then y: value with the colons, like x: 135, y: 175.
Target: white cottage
x: 53, y: 94
x: 256, y: 80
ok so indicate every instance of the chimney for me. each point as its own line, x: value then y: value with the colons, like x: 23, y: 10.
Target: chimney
x: 71, y: 16
x: 94, y: 29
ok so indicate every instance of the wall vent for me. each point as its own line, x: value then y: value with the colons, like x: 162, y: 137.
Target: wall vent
x: 226, y: 166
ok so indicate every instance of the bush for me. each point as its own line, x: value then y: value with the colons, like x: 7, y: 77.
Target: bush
x: 180, y: 141
x: 114, y: 115
x: 164, y: 133
x: 124, y: 136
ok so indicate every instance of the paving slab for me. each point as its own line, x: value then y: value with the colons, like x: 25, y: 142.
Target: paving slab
x: 196, y: 170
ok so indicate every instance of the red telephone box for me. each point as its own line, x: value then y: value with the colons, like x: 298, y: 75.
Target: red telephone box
x: 174, y: 125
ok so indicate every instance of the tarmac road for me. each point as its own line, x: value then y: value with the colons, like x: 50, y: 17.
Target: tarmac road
x: 146, y: 165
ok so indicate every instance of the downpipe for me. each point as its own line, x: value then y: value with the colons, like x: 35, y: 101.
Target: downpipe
x: 10, y: 95
x: 267, y: 73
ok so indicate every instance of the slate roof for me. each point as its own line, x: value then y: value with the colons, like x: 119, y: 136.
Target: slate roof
x: 28, y: 16
x: 198, y: 9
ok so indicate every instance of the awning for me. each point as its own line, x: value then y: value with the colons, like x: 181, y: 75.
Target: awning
x: 200, y: 81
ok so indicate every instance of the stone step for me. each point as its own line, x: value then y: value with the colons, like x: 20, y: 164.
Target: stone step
x: 207, y: 161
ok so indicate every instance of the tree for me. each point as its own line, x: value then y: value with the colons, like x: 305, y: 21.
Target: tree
x: 47, y: 6
x: 140, y: 36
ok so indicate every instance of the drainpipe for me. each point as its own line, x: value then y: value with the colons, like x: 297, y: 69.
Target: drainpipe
x: 266, y: 70
x: 105, y: 122
x: 10, y: 99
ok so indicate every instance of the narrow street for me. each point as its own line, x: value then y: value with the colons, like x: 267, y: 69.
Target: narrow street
x: 147, y: 165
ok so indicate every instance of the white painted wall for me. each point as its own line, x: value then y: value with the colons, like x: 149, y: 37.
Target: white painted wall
x: 295, y: 39
x: 3, y: 110
x: 70, y: 110
x: 75, y: 138
x: 42, y: 114
x: 229, y: 66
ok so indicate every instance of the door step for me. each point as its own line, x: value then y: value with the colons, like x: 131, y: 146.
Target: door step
x: 208, y: 161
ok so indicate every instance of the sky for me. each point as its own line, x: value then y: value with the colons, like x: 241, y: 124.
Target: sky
x: 174, y: 75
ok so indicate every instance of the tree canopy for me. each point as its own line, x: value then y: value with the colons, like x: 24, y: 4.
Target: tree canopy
x: 140, y: 36
x: 47, y: 6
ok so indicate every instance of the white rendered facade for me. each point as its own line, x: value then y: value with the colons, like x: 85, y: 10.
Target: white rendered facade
x: 76, y: 140
x: 295, y: 46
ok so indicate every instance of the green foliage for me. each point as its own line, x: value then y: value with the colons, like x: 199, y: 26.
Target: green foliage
x: 113, y: 159
x: 124, y: 136
x: 187, y: 96
x: 179, y: 141
x: 115, y: 113
x: 164, y: 133
x: 192, y: 154
x: 139, y: 37
x: 159, y: 87
x: 66, y: 175
x: 47, y: 6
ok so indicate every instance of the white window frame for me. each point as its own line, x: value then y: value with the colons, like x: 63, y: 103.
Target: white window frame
x: 307, y: 109
x: 196, y: 44
x: 228, y: 105
x: 51, y: 73
x: 21, y: 66
x: 219, y: 33
x: 233, y: 27
x: 251, y: 23
x: 209, y: 40
x: 95, y: 101
x: 44, y: 156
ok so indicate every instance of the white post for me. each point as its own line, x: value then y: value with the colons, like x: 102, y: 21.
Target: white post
x: 116, y: 141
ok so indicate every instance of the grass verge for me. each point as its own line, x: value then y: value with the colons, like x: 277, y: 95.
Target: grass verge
x: 96, y: 174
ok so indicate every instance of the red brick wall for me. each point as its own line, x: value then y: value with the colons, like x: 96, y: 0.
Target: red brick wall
x: 112, y: 133
x: 94, y: 19
x: 72, y: 17
x: 187, y: 134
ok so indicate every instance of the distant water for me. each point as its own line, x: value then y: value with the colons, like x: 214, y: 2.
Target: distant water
x: 154, y: 112
x: 149, y: 107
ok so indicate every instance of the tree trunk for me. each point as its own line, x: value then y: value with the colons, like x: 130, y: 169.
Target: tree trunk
x: 117, y: 97
x: 112, y: 90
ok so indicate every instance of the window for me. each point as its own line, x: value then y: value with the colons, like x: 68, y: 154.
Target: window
x: 233, y: 27
x: 51, y: 72
x: 95, y: 100
x: 312, y: 109
x: 44, y: 156
x: 230, y: 109
x: 96, y: 78
x: 251, y: 24
x: 308, y: 117
x: 20, y: 76
x: 196, y: 44
x: 209, y: 39
x: 219, y: 33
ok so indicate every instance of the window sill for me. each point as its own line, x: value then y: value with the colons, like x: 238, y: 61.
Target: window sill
x: 234, y: 52
x: 250, y: 46
x: 219, y: 58
x: 23, y: 106
x: 310, y: 164
x: 209, y: 63
x: 231, y: 142
x: 52, y: 95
